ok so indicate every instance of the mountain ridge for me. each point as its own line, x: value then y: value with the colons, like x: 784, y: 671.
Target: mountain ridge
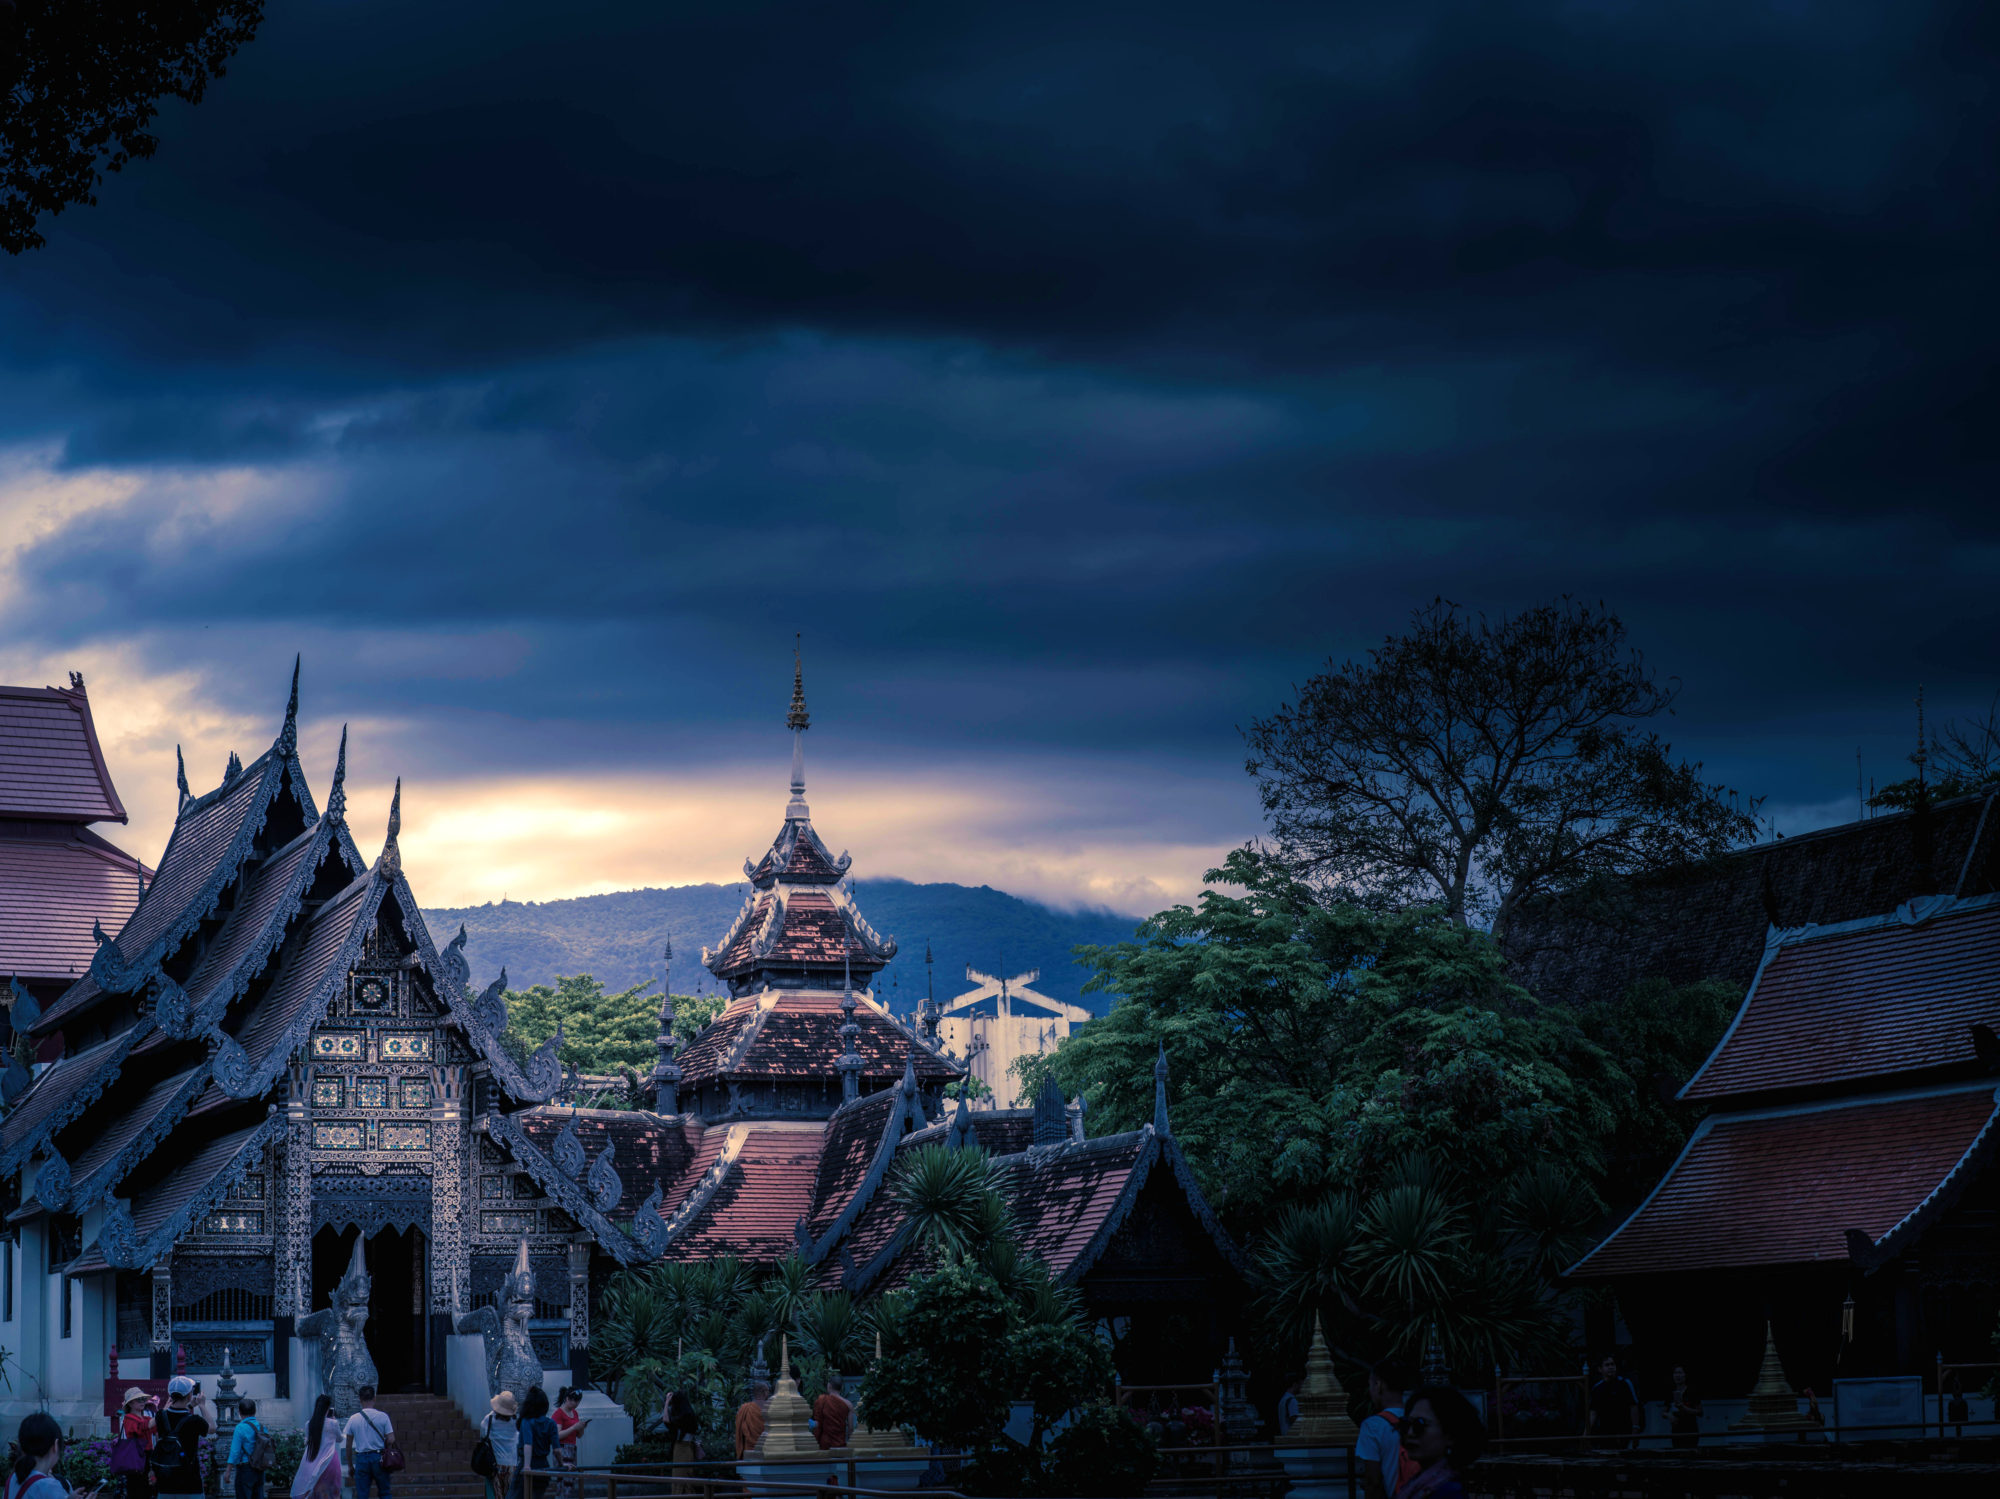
x: 618, y: 937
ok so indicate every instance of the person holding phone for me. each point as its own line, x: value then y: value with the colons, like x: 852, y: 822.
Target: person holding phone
x: 38, y: 1447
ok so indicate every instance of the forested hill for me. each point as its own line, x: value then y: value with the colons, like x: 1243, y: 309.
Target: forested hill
x: 618, y: 938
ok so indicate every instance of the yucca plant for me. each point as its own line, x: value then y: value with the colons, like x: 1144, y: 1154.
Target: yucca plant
x: 1409, y: 1242
x: 789, y: 1285
x: 1310, y: 1264
x: 949, y: 1197
x: 830, y: 1328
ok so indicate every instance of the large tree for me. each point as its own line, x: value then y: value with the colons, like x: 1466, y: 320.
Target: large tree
x: 80, y: 83
x: 1476, y: 764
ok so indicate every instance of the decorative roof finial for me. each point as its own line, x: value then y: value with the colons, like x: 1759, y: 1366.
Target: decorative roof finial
x: 1160, y: 1094
x: 181, y: 778
x: 233, y: 769
x: 392, y: 856
x: 288, y: 736
x: 336, y: 799
x: 798, y: 721
x: 849, y: 1063
x: 798, y: 718
x: 76, y: 681
x: 666, y: 1071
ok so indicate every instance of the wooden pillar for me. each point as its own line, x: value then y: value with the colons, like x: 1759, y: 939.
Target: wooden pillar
x: 163, y: 1319
x: 579, y: 1313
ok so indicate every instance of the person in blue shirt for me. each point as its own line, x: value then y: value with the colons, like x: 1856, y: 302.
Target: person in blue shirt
x: 249, y: 1480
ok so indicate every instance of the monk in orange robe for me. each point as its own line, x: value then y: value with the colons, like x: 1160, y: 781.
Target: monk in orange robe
x: 831, y: 1414
x: 750, y: 1419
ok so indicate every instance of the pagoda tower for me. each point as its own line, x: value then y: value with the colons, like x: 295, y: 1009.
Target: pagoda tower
x: 803, y: 1031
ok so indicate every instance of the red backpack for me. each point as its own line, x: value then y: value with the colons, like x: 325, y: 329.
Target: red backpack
x: 1407, y: 1467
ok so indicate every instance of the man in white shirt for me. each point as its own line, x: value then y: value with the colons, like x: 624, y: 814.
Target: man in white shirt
x: 368, y: 1430
x: 1379, y: 1447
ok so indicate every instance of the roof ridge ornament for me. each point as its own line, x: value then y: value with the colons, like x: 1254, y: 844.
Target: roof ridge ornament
x: 288, y: 736
x: 392, y: 856
x: 336, y: 799
x: 1160, y: 1126
x: 181, y: 780
x: 232, y: 771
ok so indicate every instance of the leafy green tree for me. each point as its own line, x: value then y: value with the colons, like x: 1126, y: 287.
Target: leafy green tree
x: 1314, y: 1046
x: 1477, y: 765
x: 947, y: 1368
x: 82, y: 81
x: 602, y: 1032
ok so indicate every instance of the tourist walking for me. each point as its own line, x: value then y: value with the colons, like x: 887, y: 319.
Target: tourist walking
x: 178, y: 1430
x: 1444, y: 1435
x: 1616, y: 1416
x: 131, y: 1454
x: 250, y: 1451
x: 1684, y: 1411
x: 1378, y: 1449
x: 318, y: 1475
x: 368, y: 1433
x: 832, y: 1413
x: 502, y: 1427
x: 538, y: 1445
x: 38, y: 1447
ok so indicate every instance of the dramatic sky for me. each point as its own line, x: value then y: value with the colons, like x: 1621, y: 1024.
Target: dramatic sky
x: 1073, y: 377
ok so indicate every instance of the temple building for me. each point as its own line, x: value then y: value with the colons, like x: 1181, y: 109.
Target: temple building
x: 278, y: 1105
x: 995, y: 1024
x: 266, y: 1063
x: 1843, y: 1187
x: 58, y: 878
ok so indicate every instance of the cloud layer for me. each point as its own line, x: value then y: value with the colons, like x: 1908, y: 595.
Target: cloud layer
x: 1074, y: 378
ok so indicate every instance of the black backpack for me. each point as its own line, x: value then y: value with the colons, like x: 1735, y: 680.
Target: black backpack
x: 167, y: 1450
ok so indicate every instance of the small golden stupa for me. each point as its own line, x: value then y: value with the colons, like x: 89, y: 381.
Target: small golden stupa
x: 786, y: 1432
x: 1773, y: 1406
x: 864, y: 1438
x: 1323, y: 1418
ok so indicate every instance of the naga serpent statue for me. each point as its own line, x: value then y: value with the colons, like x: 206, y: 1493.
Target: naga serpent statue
x: 511, y: 1360
x: 344, y: 1364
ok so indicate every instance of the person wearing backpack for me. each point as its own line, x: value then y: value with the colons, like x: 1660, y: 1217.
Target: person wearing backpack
x: 38, y: 1447
x: 251, y: 1451
x: 177, y: 1443
x: 371, y: 1437
x: 1378, y: 1449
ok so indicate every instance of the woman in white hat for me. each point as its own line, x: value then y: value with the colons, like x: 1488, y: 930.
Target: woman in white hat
x: 502, y: 1427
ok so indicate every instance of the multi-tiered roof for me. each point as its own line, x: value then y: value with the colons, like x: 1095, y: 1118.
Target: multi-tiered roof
x: 190, y: 1015
x: 58, y: 877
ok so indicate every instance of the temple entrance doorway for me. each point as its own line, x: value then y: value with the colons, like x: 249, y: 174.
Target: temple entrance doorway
x: 397, y: 1261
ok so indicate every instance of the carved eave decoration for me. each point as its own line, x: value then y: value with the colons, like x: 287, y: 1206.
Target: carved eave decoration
x: 124, y: 1249
x: 573, y: 1197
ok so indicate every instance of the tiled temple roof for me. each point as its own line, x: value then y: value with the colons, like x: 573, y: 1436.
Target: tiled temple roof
x: 50, y: 763
x: 754, y: 1211
x: 1864, y: 1001
x: 645, y: 1147
x: 856, y: 1137
x: 785, y: 1033
x: 1710, y: 920
x: 1818, y: 1183
x: 57, y: 881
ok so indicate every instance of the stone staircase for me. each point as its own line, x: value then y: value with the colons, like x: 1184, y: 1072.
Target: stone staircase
x: 436, y: 1439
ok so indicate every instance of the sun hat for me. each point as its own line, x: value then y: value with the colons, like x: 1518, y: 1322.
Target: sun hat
x: 504, y: 1403
x: 180, y: 1384
x: 135, y: 1393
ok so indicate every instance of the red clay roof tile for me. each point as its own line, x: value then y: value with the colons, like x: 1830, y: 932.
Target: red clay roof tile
x: 50, y: 763
x: 1885, y: 998
x: 1782, y: 1187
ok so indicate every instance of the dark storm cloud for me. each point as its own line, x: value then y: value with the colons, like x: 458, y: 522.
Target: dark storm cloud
x: 1085, y: 372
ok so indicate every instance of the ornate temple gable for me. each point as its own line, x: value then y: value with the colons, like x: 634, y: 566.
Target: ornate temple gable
x: 566, y: 1182
x: 256, y: 810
